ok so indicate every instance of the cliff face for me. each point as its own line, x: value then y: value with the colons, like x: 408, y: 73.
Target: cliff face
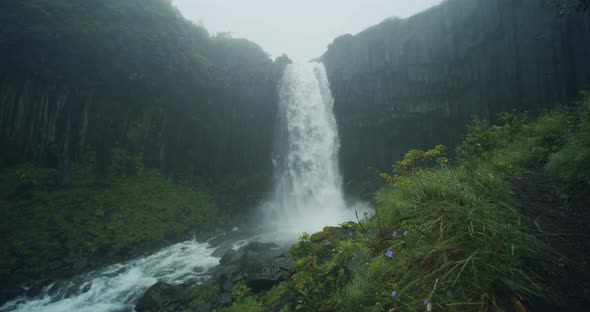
x: 116, y: 85
x: 412, y: 83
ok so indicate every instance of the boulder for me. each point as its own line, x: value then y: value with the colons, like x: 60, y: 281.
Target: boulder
x: 9, y: 293
x: 161, y: 296
x: 227, y: 256
x: 266, y: 276
x: 334, y: 234
x: 260, y: 265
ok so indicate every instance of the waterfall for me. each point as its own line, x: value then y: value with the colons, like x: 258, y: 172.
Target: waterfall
x: 308, y: 185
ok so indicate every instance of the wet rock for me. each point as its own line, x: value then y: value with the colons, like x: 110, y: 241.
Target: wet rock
x: 227, y: 256
x: 161, y: 296
x: 285, y: 264
x: 36, y: 287
x: 10, y: 293
x: 222, y: 250
x: 334, y: 234
x: 260, y: 246
x: 266, y: 276
x: 259, y: 264
x: 87, y: 287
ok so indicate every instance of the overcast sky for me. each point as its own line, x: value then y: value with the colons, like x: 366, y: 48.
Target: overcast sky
x: 300, y: 28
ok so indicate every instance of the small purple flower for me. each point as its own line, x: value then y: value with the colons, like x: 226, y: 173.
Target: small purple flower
x: 426, y: 301
x: 449, y: 293
x: 394, y: 234
x: 406, y: 233
x: 389, y: 253
x: 394, y: 294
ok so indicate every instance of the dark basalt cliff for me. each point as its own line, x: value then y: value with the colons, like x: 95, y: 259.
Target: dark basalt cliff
x: 117, y: 85
x: 412, y: 83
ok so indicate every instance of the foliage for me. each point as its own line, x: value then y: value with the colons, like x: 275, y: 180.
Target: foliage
x: 416, y: 161
x: 240, y: 291
x: 133, y: 213
x: 303, y: 247
x: 273, y: 298
x: 307, y: 283
x: 571, y: 164
x: 319, y: 273
x: 249, y: 304
x: 483, y: 140
x: 124, y: 163
x: 79, y: 39
x: 25, y: 177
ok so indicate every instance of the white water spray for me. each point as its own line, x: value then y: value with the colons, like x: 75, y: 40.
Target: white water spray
x: 118, y: 287
x: 308, y: 192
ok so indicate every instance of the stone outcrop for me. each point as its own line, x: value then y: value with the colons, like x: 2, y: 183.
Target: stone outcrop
x: 161, y: 296
x: 415, y: 82
x: 260, y: 266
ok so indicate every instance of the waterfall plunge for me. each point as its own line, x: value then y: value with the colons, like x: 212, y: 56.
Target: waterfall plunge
x: 308, y: 191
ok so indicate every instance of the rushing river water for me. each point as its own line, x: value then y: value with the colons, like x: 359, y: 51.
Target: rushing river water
x: 119, y: 286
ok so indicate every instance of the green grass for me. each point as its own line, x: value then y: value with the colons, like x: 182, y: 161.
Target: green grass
x: 571, y: 164
x: 464, y: 237
x: 100, y: 222
x: 249, y: 304
x: 466, y: 247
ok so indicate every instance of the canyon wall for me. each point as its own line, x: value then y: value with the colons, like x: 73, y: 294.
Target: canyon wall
x: 120, y: 86
x: 416, y: 82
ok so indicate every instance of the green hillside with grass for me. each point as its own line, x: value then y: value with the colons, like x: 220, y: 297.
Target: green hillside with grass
x: 452, y: 235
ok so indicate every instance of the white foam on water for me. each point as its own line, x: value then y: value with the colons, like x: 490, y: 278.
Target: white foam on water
x: 119, y: 286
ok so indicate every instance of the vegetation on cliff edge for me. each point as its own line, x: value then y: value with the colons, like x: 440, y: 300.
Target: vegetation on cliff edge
x: 445, y: 237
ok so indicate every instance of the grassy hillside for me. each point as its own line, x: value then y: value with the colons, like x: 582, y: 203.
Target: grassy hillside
x: 451, y: 237
x: 60, y: 231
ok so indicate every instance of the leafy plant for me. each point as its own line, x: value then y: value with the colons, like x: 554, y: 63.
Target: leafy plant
x: 414, y: 161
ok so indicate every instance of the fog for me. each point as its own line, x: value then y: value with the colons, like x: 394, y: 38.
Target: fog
x: 302, y: 29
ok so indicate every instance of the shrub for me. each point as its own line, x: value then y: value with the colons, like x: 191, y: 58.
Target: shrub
x: 414, y: 161
x: 249, y: 304
x: 483, y: 140
x: 571, y: 164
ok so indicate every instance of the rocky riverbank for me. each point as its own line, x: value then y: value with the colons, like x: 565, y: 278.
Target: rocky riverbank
x: 256, y: 268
